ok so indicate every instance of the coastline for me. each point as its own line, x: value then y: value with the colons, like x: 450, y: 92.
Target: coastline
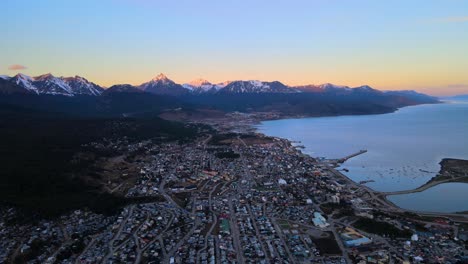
x: 455, y: 216
x: 286, y: 117
x: 461, y: 216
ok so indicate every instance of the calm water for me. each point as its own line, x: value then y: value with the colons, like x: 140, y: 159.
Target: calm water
x: 445, y: 197
x: 404, y: 148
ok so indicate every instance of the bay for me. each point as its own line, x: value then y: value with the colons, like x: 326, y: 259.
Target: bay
x: 404, y: 147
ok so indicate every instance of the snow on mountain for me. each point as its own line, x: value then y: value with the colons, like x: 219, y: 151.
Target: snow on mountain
x: 366, y: 88
x: 199, y: 82
x: 163, y: 86
x: 25, y: 82
x: 201, y: 86
x: 223, y: 84
x: 255, y: 86
x: 80, y: 85
x: 310, y: 88
x: 49, y: 84
x: 335, y: 89
x: 188, y: 87
x: 330, y: 86
x: 162, y: 78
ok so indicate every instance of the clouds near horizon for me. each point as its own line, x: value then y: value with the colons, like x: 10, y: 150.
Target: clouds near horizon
x: 17, y: 67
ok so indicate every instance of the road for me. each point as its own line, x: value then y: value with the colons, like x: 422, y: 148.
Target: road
x: 213, y: 224
x: 181, y: 242
x: 117, y: 235
x: 235, y: 231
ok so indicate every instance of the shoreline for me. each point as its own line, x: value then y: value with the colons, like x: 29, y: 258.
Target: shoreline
x: 461, y: 216
x: 286, y: 117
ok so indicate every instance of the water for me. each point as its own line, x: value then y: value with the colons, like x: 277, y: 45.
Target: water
x: 441, y: 198
x: 404, y: 148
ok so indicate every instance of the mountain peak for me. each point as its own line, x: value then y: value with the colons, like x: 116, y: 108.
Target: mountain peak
x: 331, y: 85
x: 199, y: 82
x: 255, y: 86
x: 76, y: 78
x: 367, y: 88
x: 224, y: 84
x: 44, y: 76
x: 23, y: 77
x: 161, y: 77
x: 79, y: 78
x: 163, y: 85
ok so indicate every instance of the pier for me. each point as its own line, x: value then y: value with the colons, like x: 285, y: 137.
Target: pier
x: 331, y: 161
x: 362, y: 151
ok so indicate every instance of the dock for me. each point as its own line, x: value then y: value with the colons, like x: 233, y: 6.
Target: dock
x: 362, y: 151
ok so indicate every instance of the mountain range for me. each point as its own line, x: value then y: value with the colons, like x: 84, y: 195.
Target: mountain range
x: 162, y: 85
x: 78, y: 96
x: 48, y: 84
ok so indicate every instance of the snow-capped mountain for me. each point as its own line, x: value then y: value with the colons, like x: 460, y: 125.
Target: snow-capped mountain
x: 366, y: 89
x: 49, y: 84
x: 9, y: 87
x: 80, y: 85
x: 256, y: 87
x: 331, y: 86
x: 223, y: 84
x: 335, y: 89
x: 164, y: 86
x: 24, y: 81
x: 202, y: 86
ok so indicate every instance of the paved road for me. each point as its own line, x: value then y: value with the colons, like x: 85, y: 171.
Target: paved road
x: 213, y: 224
x: 235, y: 231
x: 117, y: 235
x: 181, y: 242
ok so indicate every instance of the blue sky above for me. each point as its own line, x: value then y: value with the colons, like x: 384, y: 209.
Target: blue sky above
x: 386, y: 44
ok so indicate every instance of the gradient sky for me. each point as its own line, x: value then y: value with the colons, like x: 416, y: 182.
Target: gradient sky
x: 397, y: 44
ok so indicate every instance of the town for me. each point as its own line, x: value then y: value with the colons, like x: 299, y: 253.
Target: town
x: 235, y: 198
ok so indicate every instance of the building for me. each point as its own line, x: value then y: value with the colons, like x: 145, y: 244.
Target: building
x: 352, y: 238
x: 319, y: 220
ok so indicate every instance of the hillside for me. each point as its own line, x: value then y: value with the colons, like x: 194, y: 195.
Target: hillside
x: 45, y: 169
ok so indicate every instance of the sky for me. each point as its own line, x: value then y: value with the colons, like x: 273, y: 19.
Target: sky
x: 389, y: 45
